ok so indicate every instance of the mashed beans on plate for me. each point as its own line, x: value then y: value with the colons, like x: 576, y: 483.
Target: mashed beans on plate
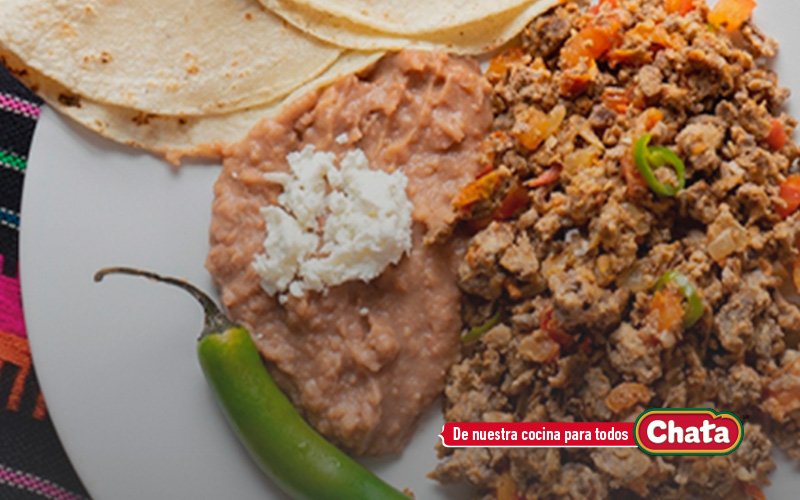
x: 361, y: 360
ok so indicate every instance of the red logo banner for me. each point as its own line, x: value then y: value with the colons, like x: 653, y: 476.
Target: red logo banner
x: 657, y: 431
x: 688, y: 431
x: 538, y: 434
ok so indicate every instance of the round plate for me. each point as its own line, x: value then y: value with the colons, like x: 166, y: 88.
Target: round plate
x: 117, y: 361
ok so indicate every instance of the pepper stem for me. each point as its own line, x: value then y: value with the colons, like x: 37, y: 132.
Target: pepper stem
x: 215, y: 320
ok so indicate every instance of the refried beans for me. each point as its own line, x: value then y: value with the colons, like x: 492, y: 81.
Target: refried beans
x: 363, y: 359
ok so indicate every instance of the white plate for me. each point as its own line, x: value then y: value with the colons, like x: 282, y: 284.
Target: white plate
x: 116, y: 360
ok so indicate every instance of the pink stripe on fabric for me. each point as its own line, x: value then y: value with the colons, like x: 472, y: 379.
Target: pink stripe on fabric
x: 11, y: 320
x: 35, y: 484
x: 21, y: 106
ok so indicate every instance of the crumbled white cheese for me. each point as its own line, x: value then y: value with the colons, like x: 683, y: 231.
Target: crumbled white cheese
x: 288, y: 246
x: 342, y: 138
x: 332, y: 224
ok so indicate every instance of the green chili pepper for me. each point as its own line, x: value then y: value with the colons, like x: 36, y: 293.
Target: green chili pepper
x: 286, y: 448
x: 693, y: 310
x: 649, y: 158
x: 477, y: 332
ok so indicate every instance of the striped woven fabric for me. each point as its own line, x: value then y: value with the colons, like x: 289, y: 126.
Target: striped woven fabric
x: 32, y: 462
x: 16, y: 104
x: 13, y: 161
x: 30, y: 483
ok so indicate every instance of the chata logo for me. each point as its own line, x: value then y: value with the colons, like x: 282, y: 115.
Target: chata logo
x: 688, y: 431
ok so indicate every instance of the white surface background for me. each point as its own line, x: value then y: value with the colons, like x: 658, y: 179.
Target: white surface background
x: 116, y: 360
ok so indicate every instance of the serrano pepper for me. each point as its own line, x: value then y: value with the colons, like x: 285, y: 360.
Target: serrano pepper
x: 286, y: 448
x: 648, y: 158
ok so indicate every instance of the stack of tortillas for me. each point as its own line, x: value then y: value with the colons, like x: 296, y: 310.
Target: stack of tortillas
x: 185, y: 78
x: 459, y: 26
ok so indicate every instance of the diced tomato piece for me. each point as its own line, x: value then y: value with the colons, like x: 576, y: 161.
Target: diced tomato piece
x: 574, y: 83
x: 776, y: 138
x: 500, y: 63
x: 515, y: 200
x: 790, y: 194
x: 579, y: 54
x: 616, y: 99
x: 681, y: 7
x: 731, y: 14
x: 478, y: 190
x: 549, y: 176
x: 652, y: 117
x: 626, y: 56
x: 589, y: 43
x: 668, y: 308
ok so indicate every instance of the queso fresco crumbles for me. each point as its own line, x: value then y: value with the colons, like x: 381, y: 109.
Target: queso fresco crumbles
x: 635, y: 239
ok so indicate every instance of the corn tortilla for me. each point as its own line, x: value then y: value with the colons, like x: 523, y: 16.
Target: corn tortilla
x: 176, y: 58
x: 474, y: 38
x: 171, y: 136
x: 409, y: 17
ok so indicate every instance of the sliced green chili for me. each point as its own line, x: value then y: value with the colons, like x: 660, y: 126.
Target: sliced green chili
x: 302, y: 462
x: 693, y: 310
x: 649, y: 158
x: 477, y: 332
